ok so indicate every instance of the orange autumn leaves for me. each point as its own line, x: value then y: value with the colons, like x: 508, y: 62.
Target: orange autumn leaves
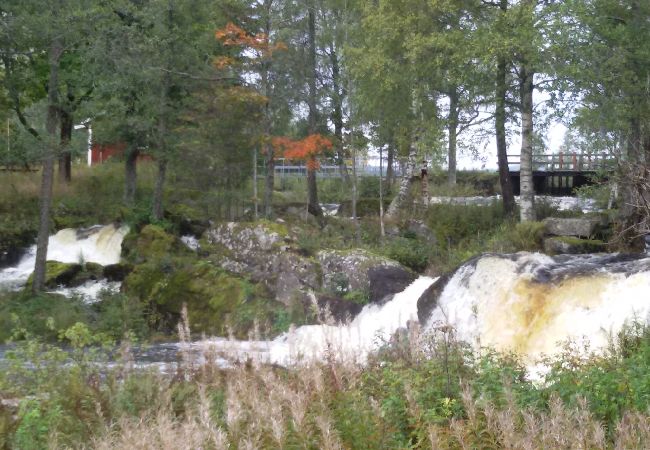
x: 306, y: 149
x: 234, y: 36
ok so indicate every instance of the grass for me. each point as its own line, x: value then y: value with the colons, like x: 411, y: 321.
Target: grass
x: 427, y: 392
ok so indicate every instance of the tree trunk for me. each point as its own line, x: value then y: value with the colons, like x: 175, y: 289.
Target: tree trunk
x: 405, y: 183
x: 527, y: 204
x: 453, y: 131
x: 312, y: 189
x: 269, y: 180
x: 502, y: 145
x: 500, y: 130
x: 158, y: 211
x: 131, y: 175
x: 390, y: 165
x: 337, y: 115
x: 65, y: 159
x: 45, y: 199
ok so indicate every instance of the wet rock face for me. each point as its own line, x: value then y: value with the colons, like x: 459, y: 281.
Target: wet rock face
x: 359, y: 270
x: 337, y: 309
x: 429, y: 299
x: 10, y: 257
x: 387, y: 280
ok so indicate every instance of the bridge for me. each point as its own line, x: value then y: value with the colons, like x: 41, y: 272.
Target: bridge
x: 561, y: 173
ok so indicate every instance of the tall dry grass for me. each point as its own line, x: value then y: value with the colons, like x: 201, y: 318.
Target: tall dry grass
x: 319, y: 406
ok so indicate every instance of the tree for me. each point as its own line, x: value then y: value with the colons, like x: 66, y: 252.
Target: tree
x: 608, y: 61
x: 45, y: 30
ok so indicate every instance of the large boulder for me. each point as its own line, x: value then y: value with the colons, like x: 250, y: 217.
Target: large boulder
x: 579, y: 227
x: 263, y: 252
x: 217, y: 302
x: 152, y: 242
x: 361, y: 271
x: 58, y: 274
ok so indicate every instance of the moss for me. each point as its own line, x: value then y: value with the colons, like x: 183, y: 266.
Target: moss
x: 213, y: 297
x: 89, y: 271
x: 573, y: 245
x: 151, y: 243
x: 57, y: 274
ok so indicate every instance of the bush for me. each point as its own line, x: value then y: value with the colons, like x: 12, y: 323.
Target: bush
x: 39, y: 315
x: 411, y: 253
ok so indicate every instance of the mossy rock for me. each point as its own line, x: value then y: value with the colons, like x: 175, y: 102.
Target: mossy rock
x: 57, y: 274
x: 573, y: 245
x: 89, y: 271
x: 187, y: 219
x: 151, y: 243
x: 213, y: 297
x: 117, y: 272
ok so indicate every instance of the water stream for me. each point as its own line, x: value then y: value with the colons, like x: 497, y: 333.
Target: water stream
x: 526, y: 303
x: 101, y: 244
x: 531, y: 303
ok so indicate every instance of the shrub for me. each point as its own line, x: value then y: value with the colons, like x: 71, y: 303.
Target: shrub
x: 411, y: 253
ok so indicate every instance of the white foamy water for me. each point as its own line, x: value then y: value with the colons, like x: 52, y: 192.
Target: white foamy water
x: 584, y: 205
x: 90, y: 290
x: 100, y: 244
x: 352, y: 342
x: 532, y: 303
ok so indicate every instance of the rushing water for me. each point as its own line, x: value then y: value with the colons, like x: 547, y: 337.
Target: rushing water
x: 531, y: 303
x: 352, y: 342
x: 584, y: 205
x: 100, y: 244
x: 526, y: 303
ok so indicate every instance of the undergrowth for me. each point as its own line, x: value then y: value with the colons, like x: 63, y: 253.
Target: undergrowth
x: 425, y: 391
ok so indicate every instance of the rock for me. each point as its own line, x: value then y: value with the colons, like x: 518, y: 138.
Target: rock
x: 572, y: 245
x: 89, y: 271
x: 117, y: 272
x: 58, y: 274
x: 10, y: 257
x: 580, y: 227
x: 337, y: 309
x: 187, y: 220
x: 359, y: 270
x: 429, y: 298
x: 210, y: 294
x: 386, y: 281
x: 262, y: 252
x: 152, y: 242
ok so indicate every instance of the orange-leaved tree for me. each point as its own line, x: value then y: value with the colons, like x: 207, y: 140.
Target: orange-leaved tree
x: 255, y: 57
x: 307, y: 150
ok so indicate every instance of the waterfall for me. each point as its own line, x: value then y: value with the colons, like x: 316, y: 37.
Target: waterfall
x: 532, y: 303
x: 351, y: 342
x: 101, y: 244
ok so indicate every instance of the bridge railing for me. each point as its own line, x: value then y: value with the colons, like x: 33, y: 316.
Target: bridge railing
x: 566, y: 162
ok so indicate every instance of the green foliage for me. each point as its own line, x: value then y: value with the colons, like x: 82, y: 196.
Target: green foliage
x: 36, y: 420
x: 451, y: 224
x: 410, y: 252
x: 40, y: 315
x: 528, y: 236
x: 118, y: 315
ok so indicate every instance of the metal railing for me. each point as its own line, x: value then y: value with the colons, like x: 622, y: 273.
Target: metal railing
x: 566, y: 162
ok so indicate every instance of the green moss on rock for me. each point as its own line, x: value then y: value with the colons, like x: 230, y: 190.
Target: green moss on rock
x: 57, y: 274
x: 215, y: 299
x: 573, y: 245
x: 151, y: 243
